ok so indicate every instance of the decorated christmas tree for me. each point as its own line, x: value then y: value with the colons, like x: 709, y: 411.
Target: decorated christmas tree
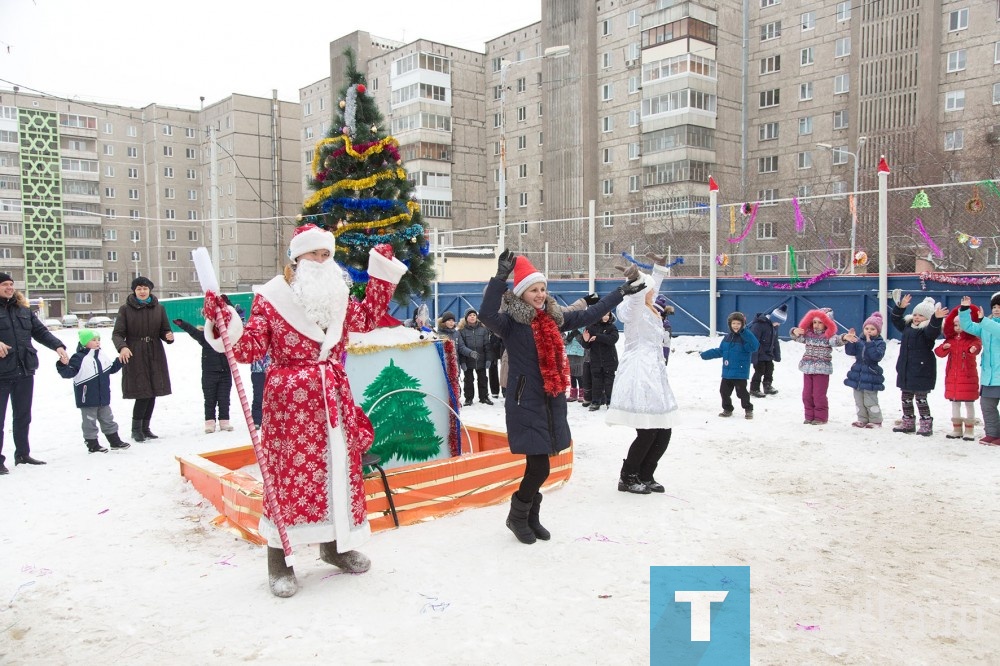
x: 403, y: 428
x: 362, y: 194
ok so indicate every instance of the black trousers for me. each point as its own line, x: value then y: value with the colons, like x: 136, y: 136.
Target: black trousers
x: 257, y: 406
x: 762, y: 370
x: 217, y: 387
x: 602, y: 382
x: 726, y: 391
x: 585, y: 382
x: 480, y: 380
x: 647, y: 448
x: 142, y: 410
x: 19, y: 393
x: 535, y: 472
x: 494, y: 374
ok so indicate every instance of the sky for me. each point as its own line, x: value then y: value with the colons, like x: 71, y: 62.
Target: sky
x: 172, y: 53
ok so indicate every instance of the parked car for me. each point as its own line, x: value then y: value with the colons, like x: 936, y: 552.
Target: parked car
x: 99, y: 322
x: 52, y: 324
x: 70, y: 321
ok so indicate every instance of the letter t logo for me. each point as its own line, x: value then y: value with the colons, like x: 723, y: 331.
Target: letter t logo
x: 701, y: 610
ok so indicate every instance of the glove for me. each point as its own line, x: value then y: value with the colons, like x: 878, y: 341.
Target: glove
x: 505, y: 265
x: 630, y: 288
x: 590, y: 299
x: 631, y: 272
x: 474, y: 355
x: 177, y: 322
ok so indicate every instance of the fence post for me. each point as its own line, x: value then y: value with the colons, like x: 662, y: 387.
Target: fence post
x: 591, y: 241
x: 883, y: 238
x: 713, y: 240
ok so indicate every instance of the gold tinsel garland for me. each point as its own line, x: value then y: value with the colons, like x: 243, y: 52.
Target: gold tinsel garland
x: 377, y: 147
x: 347, y: 184
x: 372, y: 349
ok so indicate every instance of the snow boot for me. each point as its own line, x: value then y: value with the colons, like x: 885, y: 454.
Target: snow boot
x: 630, y: 483
x: 137, y: 431
x: 969, y: 434
x: 146, y: 432
x: 517, y: 520
x: 115, y: 441
x: 225, y: 425
x: 533, y: 523
x: 352, y: 561
x: 572, y: 395
x: 748, y: 414
x: 956, y: 429
x: 770, y: 390
x: 756, y: 393
x: 726, y: 413
x: 280, y: 576
x: 926, y: 427
x: 906, y: 425
x: 94, y: 446
x: 209, y: 426
x: 653, y: 485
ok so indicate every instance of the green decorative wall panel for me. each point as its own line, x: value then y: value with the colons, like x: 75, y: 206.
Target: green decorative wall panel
x: 41, y: 192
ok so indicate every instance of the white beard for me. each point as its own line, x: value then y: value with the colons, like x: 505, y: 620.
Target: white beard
x: 321, y: 290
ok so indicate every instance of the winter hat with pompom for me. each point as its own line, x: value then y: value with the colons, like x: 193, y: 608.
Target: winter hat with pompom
x: 995, y: 299
x: 779, y: 314
x: 925, y: 308
x: 874, y: 320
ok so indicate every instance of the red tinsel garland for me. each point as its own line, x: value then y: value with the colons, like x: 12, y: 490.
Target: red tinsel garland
x: 451, y: 373
x: 551, y: 353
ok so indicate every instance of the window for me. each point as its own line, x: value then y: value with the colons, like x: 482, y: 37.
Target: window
x: 634, y: 150
x: 109, y: 171
x: 170, y: 214
x: 633, y: 117
x: 522, y: 227
x: 168, y: 151
x: 954, y: 100
x: 809, y: 21
x: 606, y: 156
x: 606, y: 219
x: 171, y: 276
x: 606, y: 60
x: 109, y: 193
x: 805, y: 91
x: 803, y: 191
x: 192, y: 195
x: 605, y: 27
x: 770, y: 30
x: 168, y: 172
x: 171, y: 235
x: 192, y: 235
x: 133, y: 213
x: 171, y: 255
x: 109, y: 149
x: 805, y: 160
x: 839, y: 120
x: 769, y: 3
x: 956, y: 61
x: 770, y: 65
x: 190, y: 153
x: 84, y: 299
x: 521, y: 84
x: 839, y: 155
x: 131, y: 131
x: 769, y: 131
x: 541, y: 167
x: 134, y: 235
x: 522, y: 199
x: 497, y: 120
x: 844, y: 11
x: 805, y: 126
x: 112, y: 255
x: 109, y: 128
x: 169, y: 192
x: 192, y: 215
x: 842, y: 47
x: 110, y: 213
x: 958, y: 19
x: 633, y: 85
x: 996, y: 53
x: 765, y: 229
x: 132, y: 152
x: 954, y: 140
x: 769, y: 98
x: 607, y: 187
x: 133, y: 173
x: 807, y: 56
x: 522, y: 170
x: 110, y: 234
x: 607, y: 92
x: 633, y: 183
x: 522, y: 142
x: 189, y: 132
x: 767, y: 164
x: 996, y: 93
x: 191, y: 174
x: 111, y: 276
x: 522, y: 114
x: 607, y: 124
x: 632, y: 18
x: 309, y: 132
x: 841, y: 84
x: 609, y: 247
x: 540, y: 114
x: 766, y: 263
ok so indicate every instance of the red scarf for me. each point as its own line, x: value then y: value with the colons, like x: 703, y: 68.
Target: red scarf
x: 551, y: 353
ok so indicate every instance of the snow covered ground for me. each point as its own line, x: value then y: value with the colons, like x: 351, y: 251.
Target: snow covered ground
x: 865, y: 547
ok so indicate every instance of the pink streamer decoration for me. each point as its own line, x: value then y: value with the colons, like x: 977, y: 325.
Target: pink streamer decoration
x: 927, y: 237
x: 954, y: 279
x: 746, y: 231
x: 802, y: 284
x: 800, y: 222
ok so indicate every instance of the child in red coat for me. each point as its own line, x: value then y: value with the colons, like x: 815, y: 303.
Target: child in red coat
x: 961, y: 380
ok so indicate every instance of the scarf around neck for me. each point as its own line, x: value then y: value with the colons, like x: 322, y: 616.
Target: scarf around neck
x: 551, y: 353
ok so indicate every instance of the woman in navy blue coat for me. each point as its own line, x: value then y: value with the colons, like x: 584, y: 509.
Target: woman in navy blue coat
x: 535, y: 402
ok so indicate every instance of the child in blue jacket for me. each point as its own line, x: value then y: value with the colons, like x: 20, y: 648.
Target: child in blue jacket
x: 90, y: 368
x: 735, y: 350
x: 865, y: 375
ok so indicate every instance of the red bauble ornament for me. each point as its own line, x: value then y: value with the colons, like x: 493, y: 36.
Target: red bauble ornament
x: 361, y: 88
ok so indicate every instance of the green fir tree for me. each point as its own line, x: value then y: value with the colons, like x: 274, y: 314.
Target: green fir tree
x: 362, y: 195
x: 403, y: 428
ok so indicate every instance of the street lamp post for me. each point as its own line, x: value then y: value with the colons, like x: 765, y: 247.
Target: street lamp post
x: 551, y: 52
x: 854, y: 193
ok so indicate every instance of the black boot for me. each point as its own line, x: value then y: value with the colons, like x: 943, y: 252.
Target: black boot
x: 630, y: 483
x: 115, y: 441
x: 137, y: 431
x: 533, y: 523
x: 352, y: 561
x: 146, y: 432
x: 94, y: 446
x: 27, y: 460
x: 280, y: 576
x: 517, y: 520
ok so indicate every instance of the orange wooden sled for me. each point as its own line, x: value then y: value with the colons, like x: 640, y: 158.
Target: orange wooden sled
x: 422, y: 491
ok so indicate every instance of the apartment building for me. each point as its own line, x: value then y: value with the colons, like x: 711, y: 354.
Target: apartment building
x: 92, y: 195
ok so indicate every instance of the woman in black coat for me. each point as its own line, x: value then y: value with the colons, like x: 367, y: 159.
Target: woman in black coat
x: 139, y: 334
x: 535, y: 402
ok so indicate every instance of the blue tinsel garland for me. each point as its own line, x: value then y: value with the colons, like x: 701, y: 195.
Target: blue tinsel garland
x: 649, y: 267
x: 351, y: 203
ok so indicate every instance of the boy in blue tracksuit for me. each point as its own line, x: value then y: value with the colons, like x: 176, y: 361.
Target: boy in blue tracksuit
x: 735, y: 350
x: 90, y: 368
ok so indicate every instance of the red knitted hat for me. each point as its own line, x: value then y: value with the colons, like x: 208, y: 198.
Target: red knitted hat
x: 525, y: 275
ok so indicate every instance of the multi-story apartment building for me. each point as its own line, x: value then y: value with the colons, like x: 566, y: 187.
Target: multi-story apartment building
x: 92, y: 195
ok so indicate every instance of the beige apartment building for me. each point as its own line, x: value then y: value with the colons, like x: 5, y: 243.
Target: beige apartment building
x: 92, y: 195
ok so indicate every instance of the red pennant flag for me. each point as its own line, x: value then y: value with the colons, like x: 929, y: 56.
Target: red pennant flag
x: 883, y: 166
x: 712, y: 185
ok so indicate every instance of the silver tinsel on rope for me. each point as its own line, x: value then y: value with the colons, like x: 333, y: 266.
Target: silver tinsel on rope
x: 350, y: 109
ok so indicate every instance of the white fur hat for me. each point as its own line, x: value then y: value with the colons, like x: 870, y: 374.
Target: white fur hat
x: 925, y: 308
x: 309, y: 238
